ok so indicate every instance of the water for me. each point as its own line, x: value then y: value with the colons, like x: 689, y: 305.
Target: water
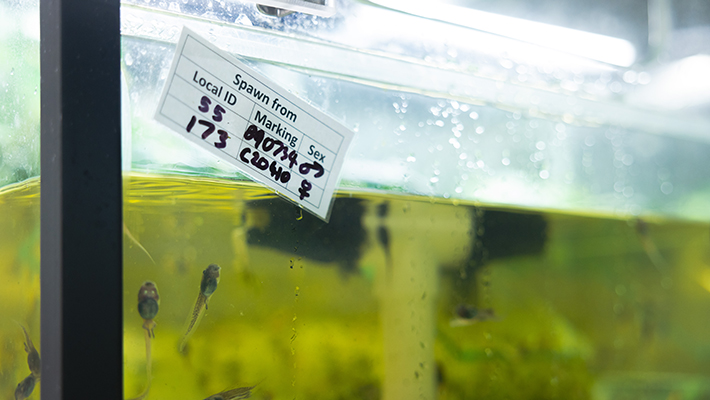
x: 567, y: 306
x: 397, y: 297
x: 19, y: 281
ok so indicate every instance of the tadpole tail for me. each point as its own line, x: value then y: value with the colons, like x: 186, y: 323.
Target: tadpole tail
x: 33, y: 360
x: 233, y: 394
x: 148, y: 366
x: 238, y: 393
x: 193, y: 320
x: 649, y: 246
x: 136, y: 242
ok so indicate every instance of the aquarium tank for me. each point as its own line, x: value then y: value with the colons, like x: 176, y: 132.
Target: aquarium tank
x: 19, y: 198
x: 522, y: 212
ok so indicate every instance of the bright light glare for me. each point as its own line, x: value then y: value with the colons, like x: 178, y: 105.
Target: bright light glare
x: 589, y: 45
x: 684, y: 83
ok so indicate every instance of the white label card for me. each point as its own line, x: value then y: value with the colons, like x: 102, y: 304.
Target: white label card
x: 234, y: 112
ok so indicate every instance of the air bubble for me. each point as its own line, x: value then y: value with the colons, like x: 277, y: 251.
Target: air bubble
x: 644, y: 78
x: 630, y: 76
x: 242, y: 19
x: 615, y: 87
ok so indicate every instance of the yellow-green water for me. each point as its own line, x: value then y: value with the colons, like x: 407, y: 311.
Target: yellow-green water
x: 19, y: 282
x: 583, y: 306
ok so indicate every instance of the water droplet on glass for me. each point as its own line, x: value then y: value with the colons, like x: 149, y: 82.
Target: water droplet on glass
x: 411, y: 158
x: 473, y: 115
x: 630, y: 76
x: 644, y: 78
x: 615, y: 87
x: 666, y: 283
x: 129, y: 59
x: 242, y: 19
x: 544, y: 174
x: 480, y: 130
x: 540, y: 145
x: 620, y: 290
x: 667, y: 188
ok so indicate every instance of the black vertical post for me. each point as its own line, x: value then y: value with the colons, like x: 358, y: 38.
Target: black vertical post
x: 81, y: 203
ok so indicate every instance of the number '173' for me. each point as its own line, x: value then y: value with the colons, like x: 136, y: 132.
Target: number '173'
x: 209, y: 129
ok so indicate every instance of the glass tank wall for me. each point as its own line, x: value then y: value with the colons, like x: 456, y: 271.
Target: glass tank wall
x: 19, y: 199
x: 517, y: 218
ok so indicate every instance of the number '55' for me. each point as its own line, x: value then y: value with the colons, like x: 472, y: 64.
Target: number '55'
x: 205, y: 107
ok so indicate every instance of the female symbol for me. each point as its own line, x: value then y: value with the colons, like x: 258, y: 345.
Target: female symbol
x: 305, y: 187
